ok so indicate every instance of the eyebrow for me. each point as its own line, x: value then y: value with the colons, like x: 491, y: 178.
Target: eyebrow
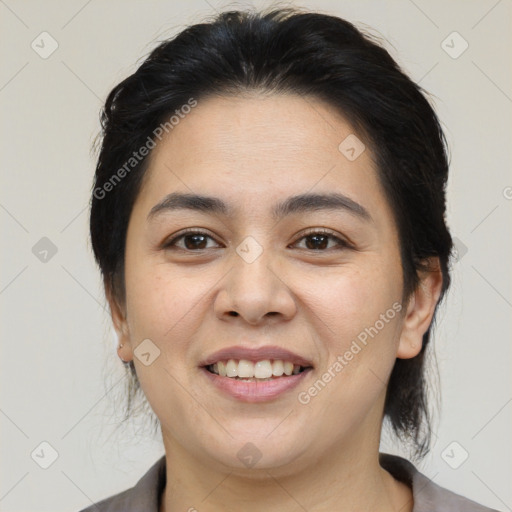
x: 295, y: 204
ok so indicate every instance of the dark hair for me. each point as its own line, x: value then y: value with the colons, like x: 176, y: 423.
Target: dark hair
x: 289, y: 51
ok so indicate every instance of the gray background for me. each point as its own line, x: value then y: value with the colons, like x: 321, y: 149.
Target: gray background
x: 61, y: 381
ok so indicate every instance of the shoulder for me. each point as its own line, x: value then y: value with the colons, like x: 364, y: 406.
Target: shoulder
x: 428, y: 496
x: 144, y: 496
x: 114, y: 503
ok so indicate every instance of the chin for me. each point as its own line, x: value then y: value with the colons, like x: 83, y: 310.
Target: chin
x: 254, y: 449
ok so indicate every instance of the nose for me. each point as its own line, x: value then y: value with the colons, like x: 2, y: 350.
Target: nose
x: 255, y: 291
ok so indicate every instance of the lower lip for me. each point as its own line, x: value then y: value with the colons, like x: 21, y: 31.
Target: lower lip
x: 255, y: 391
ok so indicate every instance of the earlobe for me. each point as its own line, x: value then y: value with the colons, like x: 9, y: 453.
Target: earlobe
x: 420, y: 310
x: 120, y: 324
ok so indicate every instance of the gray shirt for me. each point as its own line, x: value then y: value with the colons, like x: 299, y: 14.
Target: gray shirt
x: 428, y: 496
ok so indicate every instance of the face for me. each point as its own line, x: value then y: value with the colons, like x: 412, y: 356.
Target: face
x: 317, y: 283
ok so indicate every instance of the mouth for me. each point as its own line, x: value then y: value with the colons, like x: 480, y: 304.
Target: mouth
x: 258, y: 371
x: 255, y: 375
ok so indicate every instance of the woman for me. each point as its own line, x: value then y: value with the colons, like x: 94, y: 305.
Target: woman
x: 268, y: 214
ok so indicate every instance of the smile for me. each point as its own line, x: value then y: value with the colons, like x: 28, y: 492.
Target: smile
x: 250, y: 371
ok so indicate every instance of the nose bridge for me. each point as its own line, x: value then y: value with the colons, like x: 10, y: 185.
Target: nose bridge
x: 253, y: 288
x: 252, y: 268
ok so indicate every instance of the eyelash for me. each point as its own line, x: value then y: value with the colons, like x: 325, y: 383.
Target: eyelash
x: 342, y: 244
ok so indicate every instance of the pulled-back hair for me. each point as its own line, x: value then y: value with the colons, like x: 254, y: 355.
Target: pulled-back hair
x: 289, y: 51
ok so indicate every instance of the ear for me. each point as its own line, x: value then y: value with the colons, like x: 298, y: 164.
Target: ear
x: 420, y: 310
x: 120, y: 323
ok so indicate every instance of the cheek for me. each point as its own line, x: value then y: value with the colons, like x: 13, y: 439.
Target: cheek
x: 356, y: 299
x: 163, y: 307
x: 161, y: 304
x: 362, y: 312
x: 372, y: 338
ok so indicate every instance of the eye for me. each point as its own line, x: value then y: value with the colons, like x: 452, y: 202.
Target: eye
x: 193, y: 240
x: 318, y: 240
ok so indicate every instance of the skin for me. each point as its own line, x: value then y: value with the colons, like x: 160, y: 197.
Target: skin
x: 253, y: 151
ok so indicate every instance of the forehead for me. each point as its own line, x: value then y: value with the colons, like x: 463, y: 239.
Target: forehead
x: 256, y: 147
x: 280, y: 126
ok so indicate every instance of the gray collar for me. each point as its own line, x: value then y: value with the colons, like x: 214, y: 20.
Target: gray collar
x: 427, y: 495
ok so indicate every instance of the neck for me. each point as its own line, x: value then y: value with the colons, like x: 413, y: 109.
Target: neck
x: 347, y: 479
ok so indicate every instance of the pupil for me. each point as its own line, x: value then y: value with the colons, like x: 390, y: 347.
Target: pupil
x: 315, y: 245
x: 194, y: 245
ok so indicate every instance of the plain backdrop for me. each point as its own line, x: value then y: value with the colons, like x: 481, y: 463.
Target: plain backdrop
x: 57, y: 344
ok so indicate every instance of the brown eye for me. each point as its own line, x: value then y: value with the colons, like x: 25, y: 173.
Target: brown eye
x: 192, y: 241
x: 319, y: 241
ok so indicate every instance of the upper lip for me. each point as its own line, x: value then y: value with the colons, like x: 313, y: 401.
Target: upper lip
x: 255, y: 354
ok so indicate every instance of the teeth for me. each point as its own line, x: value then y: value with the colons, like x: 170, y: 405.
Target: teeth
x: 288, y: 368
x: 277, y: 368
x: 231, y: 369
x: 245, y: 369
x: 263, y: 370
